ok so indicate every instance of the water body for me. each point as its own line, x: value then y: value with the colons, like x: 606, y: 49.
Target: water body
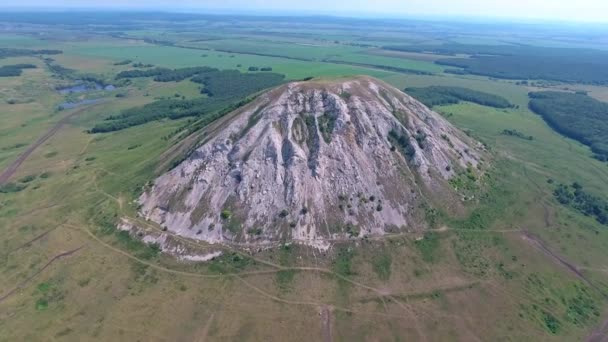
x: 70, y: 105
x: 84, y: 87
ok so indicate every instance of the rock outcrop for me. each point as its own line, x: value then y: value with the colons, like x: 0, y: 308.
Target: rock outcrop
x: 313, y: 162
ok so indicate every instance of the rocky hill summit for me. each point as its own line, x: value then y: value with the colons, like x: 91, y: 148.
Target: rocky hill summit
x: 313, y: 162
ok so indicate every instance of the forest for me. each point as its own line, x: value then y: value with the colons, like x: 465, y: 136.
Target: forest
x: 14, y: 70
x: 12, y: 52
x: 442, y: 95
x: 164, y: 74
x: 576, y: 116
x: 521, y: 61
x: 224, y: 89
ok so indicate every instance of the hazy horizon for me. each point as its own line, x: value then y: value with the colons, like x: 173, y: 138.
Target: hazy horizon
x: 592, y: 11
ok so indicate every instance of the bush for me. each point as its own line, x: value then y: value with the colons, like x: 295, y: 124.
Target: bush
x: 516, y: 133
x: 11, y: 188
x: 226, y: 214
x: 402, y: 141
x: 27, y: 179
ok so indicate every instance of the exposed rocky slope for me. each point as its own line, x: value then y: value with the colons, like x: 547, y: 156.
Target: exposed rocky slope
x: 311, y: 162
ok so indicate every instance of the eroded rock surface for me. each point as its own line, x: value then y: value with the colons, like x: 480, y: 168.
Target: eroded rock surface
x: 312, y: 162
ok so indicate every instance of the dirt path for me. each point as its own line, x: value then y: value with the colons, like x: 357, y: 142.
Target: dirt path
x: 28, y: 243
x: 535, y: 241
x: 326, y: 322
x: 205, y: 330
x: 600, y: 334
x: 14, y: 166
x: 49, y: 263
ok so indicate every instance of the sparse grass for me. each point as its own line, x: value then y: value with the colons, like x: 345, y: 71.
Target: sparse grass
x: 428, y: 246
x: 381, y: 263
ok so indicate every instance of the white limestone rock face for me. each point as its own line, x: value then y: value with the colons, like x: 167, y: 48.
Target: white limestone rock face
x: 312, y: 162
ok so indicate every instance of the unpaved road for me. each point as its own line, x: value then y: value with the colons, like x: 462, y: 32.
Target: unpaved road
x: 600, y: 334
x: 204, y: 333
x: 49, y: 263
x: 14, y: 166
x: 326, y: 322
x: 535, y: 241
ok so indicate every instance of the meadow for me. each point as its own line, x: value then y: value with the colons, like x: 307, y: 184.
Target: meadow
x: 499, y: 272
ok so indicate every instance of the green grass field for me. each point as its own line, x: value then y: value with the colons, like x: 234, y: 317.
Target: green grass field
x: 478, y: 278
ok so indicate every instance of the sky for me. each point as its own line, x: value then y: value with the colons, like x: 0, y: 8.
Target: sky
x: 560, y: 10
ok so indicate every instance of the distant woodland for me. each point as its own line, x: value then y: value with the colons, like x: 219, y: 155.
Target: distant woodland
x: 224, y: 89
x: 577, y: 116
x: 440, y: 95
x: 521, y: 61
x: 14, y: 70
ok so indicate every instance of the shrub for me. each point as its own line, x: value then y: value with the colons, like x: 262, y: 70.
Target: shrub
x: 226, y: 214
x: 11, y: 188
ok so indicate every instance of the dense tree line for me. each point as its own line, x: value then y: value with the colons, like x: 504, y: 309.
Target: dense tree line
x: 14, y: 70
x: 516, y: 133
x: 10, y: 52
x: 574, y: 196
x: 164, y: 74
x: 440, y: 95
x: 57, y: 69
x: 584, y: 69
x: 232, y: 83
x: 125, y: 62
x: 577, y: 116
x: 172, y: 109
x: 224, y: 88
x: 522, y: 61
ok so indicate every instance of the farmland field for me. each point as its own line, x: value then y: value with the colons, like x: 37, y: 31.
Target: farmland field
x: 516, y: 266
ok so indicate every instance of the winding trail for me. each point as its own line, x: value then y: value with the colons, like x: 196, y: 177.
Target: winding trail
x: 14, y: 166
x: 536, y: 242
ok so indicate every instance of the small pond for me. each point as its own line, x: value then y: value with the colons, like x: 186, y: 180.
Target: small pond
x: 84, y: 87
x: 70, y: 105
